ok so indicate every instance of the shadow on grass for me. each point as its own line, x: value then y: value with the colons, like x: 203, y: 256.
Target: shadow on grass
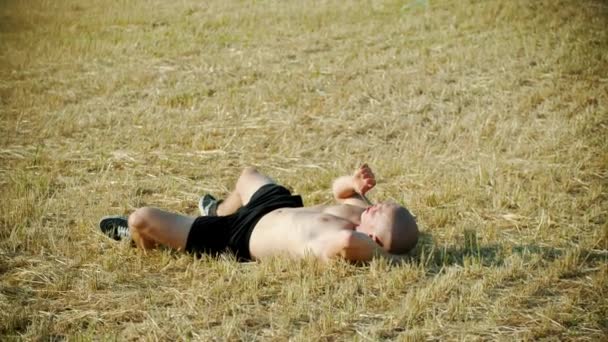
x: 471, y: 251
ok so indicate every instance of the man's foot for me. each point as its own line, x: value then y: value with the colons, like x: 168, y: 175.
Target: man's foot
x: 208, y: 205
x: 115, y: 227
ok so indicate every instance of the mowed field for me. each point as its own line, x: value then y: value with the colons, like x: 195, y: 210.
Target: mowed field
x: 487, y: 119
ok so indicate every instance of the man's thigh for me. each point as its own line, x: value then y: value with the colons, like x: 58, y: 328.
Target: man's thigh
x: 249, y: 182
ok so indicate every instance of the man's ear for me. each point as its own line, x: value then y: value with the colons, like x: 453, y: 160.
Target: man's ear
x: 376, y: 239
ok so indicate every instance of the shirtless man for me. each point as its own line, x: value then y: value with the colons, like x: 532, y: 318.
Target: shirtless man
x: 261, y: 219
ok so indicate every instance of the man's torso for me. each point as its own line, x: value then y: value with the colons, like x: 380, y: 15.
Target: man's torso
x: 301, y: 231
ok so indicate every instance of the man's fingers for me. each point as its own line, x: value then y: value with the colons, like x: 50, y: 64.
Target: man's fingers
x: 365, y: 189
x: 365, y: 167
x: 369, y: 183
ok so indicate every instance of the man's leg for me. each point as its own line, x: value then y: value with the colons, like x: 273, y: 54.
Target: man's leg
x: 248, y: 183
x: 151, y: 227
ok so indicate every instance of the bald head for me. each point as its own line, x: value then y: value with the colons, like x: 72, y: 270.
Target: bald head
x: 400, y: 234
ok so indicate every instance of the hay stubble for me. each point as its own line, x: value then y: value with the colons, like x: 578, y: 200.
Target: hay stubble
x: 486, y: 118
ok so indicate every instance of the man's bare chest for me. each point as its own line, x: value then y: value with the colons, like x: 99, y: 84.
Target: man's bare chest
x: 345, y: 212
x: 309, y: 219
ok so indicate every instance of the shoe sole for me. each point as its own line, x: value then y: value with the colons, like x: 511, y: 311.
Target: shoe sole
x: 201, y: 204
x: 109, y: 226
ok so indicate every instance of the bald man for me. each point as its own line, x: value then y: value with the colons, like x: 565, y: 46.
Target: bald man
x: 261, y: 219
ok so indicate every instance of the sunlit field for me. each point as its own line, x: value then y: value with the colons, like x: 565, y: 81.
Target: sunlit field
x: 487, y: 119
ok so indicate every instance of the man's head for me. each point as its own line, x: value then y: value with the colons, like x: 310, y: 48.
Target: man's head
x: 391, y: 226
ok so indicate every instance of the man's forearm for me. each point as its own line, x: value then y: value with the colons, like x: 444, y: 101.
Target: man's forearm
x: 356, y: 246
x: 343, y: 187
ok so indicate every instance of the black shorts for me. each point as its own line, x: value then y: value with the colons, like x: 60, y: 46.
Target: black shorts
x: 216, y: 234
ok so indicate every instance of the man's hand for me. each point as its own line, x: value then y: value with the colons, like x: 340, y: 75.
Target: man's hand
x: 363, y: 179
x: 351, y: 189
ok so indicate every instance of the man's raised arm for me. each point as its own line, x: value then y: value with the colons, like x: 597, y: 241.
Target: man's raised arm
x: 352, y: 189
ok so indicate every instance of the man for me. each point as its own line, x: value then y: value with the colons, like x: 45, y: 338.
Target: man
x: 261, y: 219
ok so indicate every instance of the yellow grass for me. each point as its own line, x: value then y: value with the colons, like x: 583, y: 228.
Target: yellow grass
x: 488, y: 119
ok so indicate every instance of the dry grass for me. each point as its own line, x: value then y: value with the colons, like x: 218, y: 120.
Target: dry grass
x: 487, y: 118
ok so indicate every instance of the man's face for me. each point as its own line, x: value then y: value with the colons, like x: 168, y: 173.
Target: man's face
x: 377, y: 218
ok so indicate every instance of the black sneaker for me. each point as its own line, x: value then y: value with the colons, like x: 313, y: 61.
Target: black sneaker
x: 208, y: 205
x: 115, y: 227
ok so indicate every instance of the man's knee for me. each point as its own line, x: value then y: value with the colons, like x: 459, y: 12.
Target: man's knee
x: 249, y: 182
x: 248, y: 171
x: 139, y: 224
x: 140, y: 218
x: 247, y: 175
